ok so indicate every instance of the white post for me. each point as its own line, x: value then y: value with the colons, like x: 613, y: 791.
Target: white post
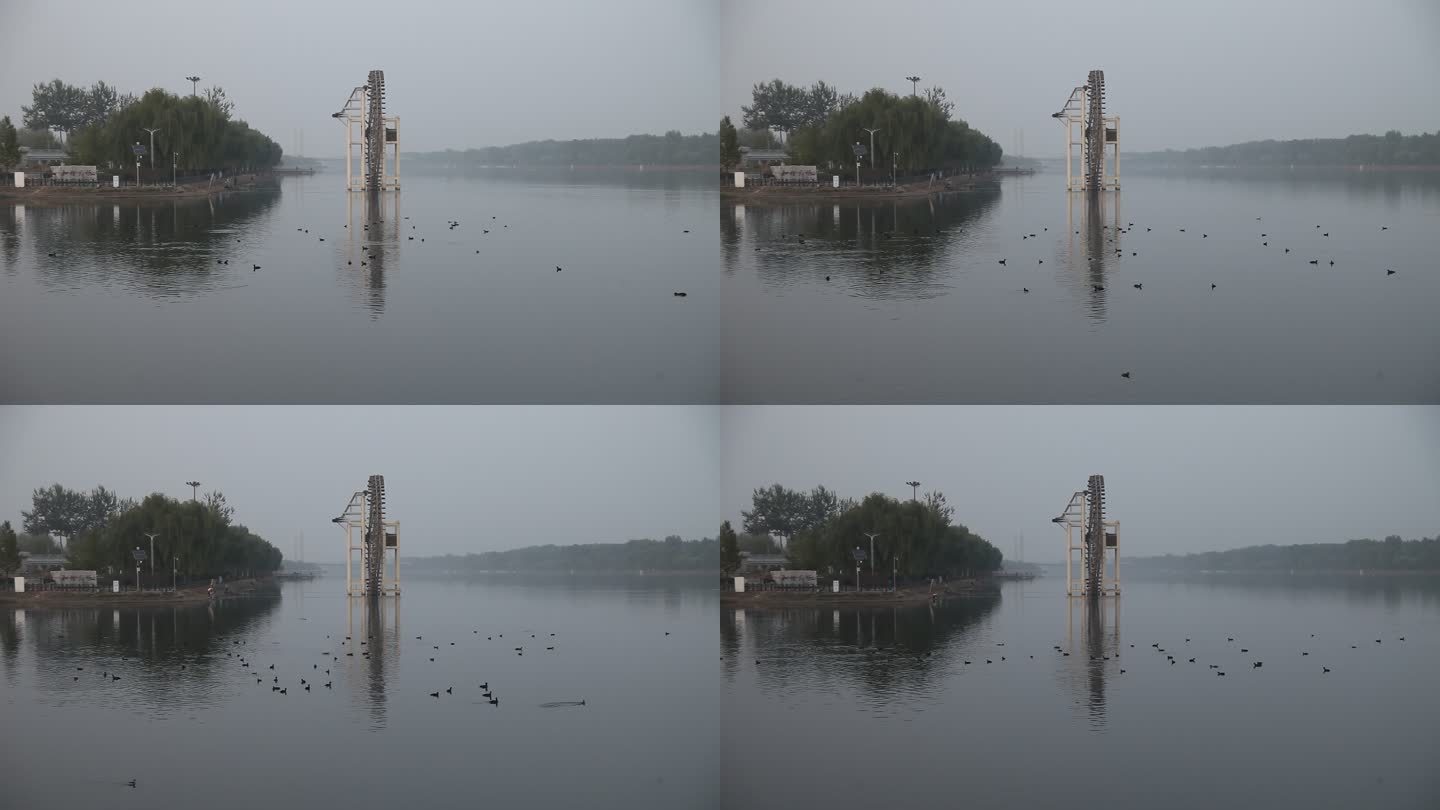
x: 739, y: 584
x: 835, y: 586
x: 19, y: 584
x: 115, y: 588
x: 835, y: 181
x: 19, y: 179
x: 739, y: 179
x: 114, y: 181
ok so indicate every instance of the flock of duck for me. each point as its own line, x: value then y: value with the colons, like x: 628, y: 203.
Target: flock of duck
x: 450, y: 225
x: 1110, y: 235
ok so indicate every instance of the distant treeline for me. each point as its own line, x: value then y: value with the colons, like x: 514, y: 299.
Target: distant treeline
x: 671, y: 554
x: 670, y: 149
x: 1390, y: 149
x: 1390, y: 554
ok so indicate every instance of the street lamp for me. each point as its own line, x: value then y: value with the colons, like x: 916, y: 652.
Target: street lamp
x: 152, y: 536
x: 914, y: 489
x: 152, y: 143
x: 872, y: 143
x: 194, y: 488
x: 194, y: 81
x: 174, y: 564
x: 174, y: 161
x: 872, y: 536
x: 914, y: 81
x: 894, y: 162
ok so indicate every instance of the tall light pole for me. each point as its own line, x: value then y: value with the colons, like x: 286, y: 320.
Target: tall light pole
x: 914, y: 82
x: 137, y: 164
x: 894, y: 164
x: 872, y: 536
x: 872, y: 143
x: 174, y: 563
x: 194, y: 488
x: 152, y: 536
x: 174, y: 161
x: 152, y: 143
x: 914, y: 490
x: 194, y: 82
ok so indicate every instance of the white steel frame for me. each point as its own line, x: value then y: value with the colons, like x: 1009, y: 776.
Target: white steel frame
x: 353, y: 520
x: 1072, y: 115
x: 1074, y: 519
x: 352, y: 116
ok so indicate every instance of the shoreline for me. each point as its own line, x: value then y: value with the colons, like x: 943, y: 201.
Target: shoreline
x: 192, y: 595
x: 905, y: 597
x: 59, y: 195
x: 762, y: 194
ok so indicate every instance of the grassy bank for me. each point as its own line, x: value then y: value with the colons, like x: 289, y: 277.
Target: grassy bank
x: 762, y: 195
x: 59, y: 195
x: 915, y: 595
x: 192, y: 595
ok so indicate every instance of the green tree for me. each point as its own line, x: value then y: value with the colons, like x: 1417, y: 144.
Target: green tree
x: 9, y: 143
x: 914, y: 537
x: 729, y: 144
x: 58, y: 510
x: 56, y: 105
x: 758, y: 544
x: 197, y: 133
x: 39, y: 544
x: 195, y: 538
x: 9, y: 551
x: 729, y: 549
x: 38, y: 139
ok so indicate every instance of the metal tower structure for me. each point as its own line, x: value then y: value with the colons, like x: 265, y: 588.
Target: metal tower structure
x: 372, y: 538
x: 1093, y: 540
x: 1092, y: 138
x: 372, y: 138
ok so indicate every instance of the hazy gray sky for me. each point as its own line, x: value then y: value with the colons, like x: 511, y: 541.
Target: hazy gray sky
x: 459, y: 480
x: 1179, y: 479
x: 1178, y: 74
x: 459, y: 74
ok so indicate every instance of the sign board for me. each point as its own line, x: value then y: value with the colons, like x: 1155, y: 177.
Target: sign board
x: 85, y: 173
x: 138, y: 149
x: 114, y: 181
x: 861, y: 555
x: 835, y: 586
x: 19, y: 584
x: 739, y: 584
x: 861, y: 150
x: 115, y: 588
x: 739, y: 179
x: 139, y: 554
x: 802, y: 173
x: 794, y: 578
x: 835, y: 181
x: 19, y: 179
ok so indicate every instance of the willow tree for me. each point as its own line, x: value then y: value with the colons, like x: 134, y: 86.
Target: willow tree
x: 196, y: 133
x: 913, y: 537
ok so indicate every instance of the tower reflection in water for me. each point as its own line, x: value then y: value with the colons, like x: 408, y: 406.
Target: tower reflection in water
x: 1095, y: 624
x: 372, y: 634
x: 372, y: 227
x: 1093, y: 228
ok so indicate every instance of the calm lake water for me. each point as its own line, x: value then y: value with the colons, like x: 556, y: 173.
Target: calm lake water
x: 136, y: 306
x: 209, y: 735
x: 875, y: 708
x: 907, y: 302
